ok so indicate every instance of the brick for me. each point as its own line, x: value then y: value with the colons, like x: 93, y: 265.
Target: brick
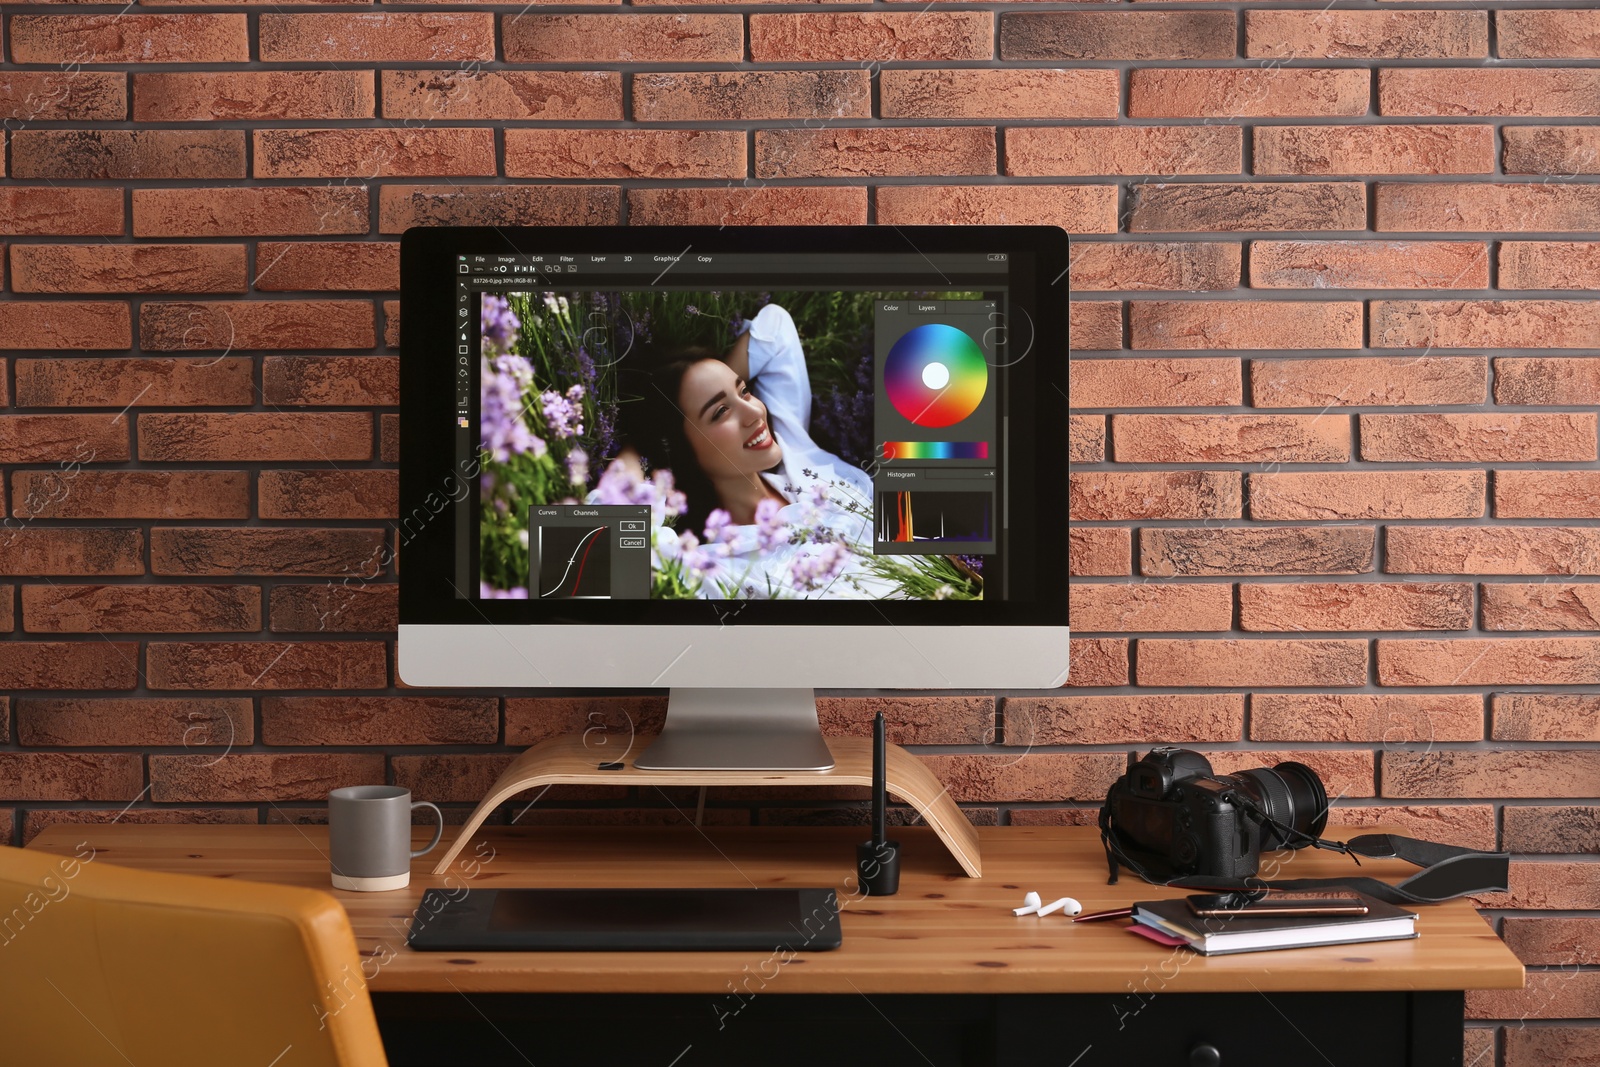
x: 119, y: 382
x: 1099, y: 661
x: 266, y: 211
x: 140, y: 609
x: 1553, y: 830
x: 980, y: 94
x: 368, y: 153
x: 1546, y: 716
x: 252, y: 95
x: 1467, y: 825
x: 245, y: 324
x: 1547, y: 380
x: 383, y: 721
x: 874, y: 151
x: 1549, y: 264
x: 1541, y: 606
x: 1382, y: 381
x: 323, y: 265
x: 1369, y: 265
x: 112, y: 268
x: 390, y: 37
x: 391, y: 324
x: 66, y: 95
x: 1344, y: 774
x: 130, y: 494
x: 71, y: 775
x: 389, y: 438
x: 1212, y: 662
x: 1335, y: 34
x: 127, y: 154
x: 444, y: 778
x: 342, y: 381
x: 884, y: 36
x: 232, y: 550
x: 1155, y: 265
x: 1125, y: 608
x: 1077, y: 208
x: 66, y: 438
x: 1513, y: 773
x: 1165, y: 552
x: 1052, y: 776
x: 129, y: 38
x: 1099, y: 552
x: 329, y: 494
x: 1112, y: 496
x: 1553, y: 885
x: 1265, y: 92
x: 96, y: 664
x: 1255, y: 206
x: 610, y: 723
x: 1117, y: 35
x: 1494, y: 661
x: 1390, y: 718
x: 1493, y: 550
x: 1489, y: 208
x: 35, y: 551
x: 265, y: 665
x: 1039, y: 151
x: 138, y: 722
x: 259, y: 777
x: 1147, y: 383
x: 1409, y: 149
x: 59, y: 324
x: 1547, y: 494
x: 1086, y: 439
x: 64, y: 211
x: 741, y: 96
x: 633, y: 153
x: 1356, y: 606
x: 40, y: 819
x: 1550, y: 1046
x: 474, y: 93
x: 1488, y: 91
x: 401, y: 207
x: 8, y: 622
x: 255, y: 436
x: 1117, y: 720
x: 343, y: 607
x: 1563, y: 151
x: 1278, y: 496
x: 1244, y: 324
x: 1094, y: 324
x: 1572, y: 34
x: 630, y: 38
x: 1230, y: 438
x: 940, y: 720
x: 811, y: 205
x: 1552, y: 941
x: 1479, y: 436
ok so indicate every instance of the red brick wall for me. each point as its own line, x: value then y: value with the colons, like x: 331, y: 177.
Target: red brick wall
x: 1336, y: 387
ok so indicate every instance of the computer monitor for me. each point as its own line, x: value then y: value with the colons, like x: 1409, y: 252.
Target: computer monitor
x: 742, y: 463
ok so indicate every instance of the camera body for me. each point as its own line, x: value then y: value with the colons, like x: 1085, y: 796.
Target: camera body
x: 1170, y: 817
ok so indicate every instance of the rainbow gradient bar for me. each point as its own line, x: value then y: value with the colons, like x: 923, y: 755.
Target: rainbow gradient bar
x: 936, y: 450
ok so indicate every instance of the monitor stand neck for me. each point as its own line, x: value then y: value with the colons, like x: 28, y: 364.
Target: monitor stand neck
x: 739, y: 729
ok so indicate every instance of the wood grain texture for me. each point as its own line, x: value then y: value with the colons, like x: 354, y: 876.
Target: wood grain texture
x: 569, y: 760
x: 942, y: 933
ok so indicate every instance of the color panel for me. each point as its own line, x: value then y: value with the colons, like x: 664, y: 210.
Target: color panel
x: 936, y: 450
x: 935, y: 375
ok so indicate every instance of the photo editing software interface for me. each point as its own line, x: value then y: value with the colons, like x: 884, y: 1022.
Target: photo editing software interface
x: 732, y: 425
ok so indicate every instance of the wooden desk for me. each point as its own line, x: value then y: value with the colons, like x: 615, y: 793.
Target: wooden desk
x: 945, y: 956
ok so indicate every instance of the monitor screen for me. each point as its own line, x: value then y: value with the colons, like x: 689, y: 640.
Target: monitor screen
x: 755, y: 420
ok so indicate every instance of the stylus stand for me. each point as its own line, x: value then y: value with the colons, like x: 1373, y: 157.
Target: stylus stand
x: 878, y: 868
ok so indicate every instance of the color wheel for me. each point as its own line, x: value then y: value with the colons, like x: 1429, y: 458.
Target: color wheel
x: 935, y: 375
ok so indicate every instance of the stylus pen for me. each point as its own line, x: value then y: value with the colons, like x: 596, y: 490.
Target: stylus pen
x: 880, y: 791
x: 1097, y: 916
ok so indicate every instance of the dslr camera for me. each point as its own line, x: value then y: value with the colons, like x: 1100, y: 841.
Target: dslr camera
x: 1170, y: 817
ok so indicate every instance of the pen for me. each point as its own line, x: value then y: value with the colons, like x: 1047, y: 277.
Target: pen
x: 880, y: 799
x: 1096, y: 916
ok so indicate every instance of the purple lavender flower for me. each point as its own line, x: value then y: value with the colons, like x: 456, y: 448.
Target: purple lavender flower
x: 717, y: 524
x: 771, y: 531
x: 563, y: 415
x: 813, y: 569
x: 504, y: 433
x: 620, y: 484
x: 690, y: 309
x: 578, y: 467
x: 489, y: 592
x: 973, y: 562
x: 498, y: 322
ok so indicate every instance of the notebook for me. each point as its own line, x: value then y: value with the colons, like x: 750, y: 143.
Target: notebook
x: 1222, y: 935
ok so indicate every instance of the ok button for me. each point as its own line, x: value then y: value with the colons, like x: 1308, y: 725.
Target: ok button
x: 631, y: 526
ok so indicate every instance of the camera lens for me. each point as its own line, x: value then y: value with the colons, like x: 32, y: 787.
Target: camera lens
x: 1292, y: 794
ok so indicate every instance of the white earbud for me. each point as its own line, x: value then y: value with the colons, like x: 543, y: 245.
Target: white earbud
x: 1066, y: 905
x: 1030, y: 904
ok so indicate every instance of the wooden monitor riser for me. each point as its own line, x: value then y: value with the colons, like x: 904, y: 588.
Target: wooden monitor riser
x: 569, y: 760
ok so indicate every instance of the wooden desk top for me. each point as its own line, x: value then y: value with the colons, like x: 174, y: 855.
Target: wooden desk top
x: 943, y: 932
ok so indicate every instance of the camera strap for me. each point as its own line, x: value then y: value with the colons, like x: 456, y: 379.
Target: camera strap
x: 1448, y: 871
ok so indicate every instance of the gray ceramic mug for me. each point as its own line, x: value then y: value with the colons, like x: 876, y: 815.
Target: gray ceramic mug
x: 369, y: 836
